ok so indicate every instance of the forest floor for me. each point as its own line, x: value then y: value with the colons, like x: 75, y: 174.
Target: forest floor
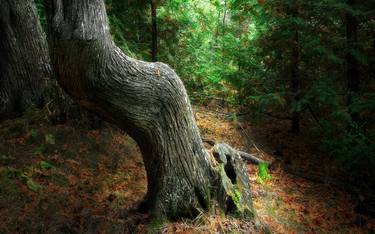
x: 72, y: 179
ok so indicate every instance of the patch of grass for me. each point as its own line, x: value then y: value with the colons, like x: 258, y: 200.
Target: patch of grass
x: 32, y: 185
x: 13, y: 173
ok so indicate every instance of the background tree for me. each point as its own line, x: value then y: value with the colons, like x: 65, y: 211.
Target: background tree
x: 25, y: 77
x: 154, y: 31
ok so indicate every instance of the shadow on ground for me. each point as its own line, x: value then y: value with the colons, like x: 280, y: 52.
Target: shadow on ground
x: 72, y: 179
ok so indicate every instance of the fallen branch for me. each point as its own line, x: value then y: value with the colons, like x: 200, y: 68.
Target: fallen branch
x: 251, y: 158
x: 246, y: 156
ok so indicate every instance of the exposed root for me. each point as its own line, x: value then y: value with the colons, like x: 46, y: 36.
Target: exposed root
x: 246, y: 156
x: 233, y: 184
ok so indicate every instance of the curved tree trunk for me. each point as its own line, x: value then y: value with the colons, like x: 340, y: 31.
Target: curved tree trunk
x: 24, y: 61
x: 148, y: 101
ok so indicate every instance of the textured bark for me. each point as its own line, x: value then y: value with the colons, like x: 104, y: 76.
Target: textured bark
x: 147, y: 100
x: 24, y: 61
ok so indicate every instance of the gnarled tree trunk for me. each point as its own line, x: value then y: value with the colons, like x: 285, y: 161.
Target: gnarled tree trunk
x: 148, y: 101
x: 24, y: 61
x: 26, y: 76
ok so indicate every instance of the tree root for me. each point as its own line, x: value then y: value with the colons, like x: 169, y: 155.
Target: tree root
x: 233, y: 191
x: 250, y: 158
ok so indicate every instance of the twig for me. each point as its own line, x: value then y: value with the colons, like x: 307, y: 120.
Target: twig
x: 251, y: 158
x: 249, y: 139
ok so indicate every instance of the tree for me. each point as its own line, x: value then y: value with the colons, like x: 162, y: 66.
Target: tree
x: 154, y: 31
x: 26, y: 76
x: 24, y: 61
x: 148, y: 101
x: 352, y: 72
x: 295, y: 82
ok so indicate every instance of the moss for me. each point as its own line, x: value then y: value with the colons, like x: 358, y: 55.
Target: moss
x: 236, y: 196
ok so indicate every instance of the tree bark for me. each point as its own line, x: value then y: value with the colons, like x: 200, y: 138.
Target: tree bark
x: 295, y: 80
x: 25, y: 70
x: 148, y: 101
x: 295, y: 85
x: 26, y: 76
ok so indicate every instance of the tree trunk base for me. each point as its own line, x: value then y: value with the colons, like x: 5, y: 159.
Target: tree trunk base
x: 233, y: 190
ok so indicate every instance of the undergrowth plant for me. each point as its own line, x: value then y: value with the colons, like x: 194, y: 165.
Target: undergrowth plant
x: 263, y: 174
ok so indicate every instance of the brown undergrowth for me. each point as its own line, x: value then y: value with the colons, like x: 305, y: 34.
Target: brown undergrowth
x: 71, y: 179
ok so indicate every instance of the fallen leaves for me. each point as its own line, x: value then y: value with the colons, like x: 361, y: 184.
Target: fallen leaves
x: 95, y: 176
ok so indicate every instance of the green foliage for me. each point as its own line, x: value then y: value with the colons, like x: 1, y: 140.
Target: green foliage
x: 132, y: 36
x: 5, y: 159
x: 49, y: 139
x: 237, y: 196
x: 263, y: 174
x: 14, y: 173
x: 32, y: 185
x: 33, y: 136
x: 354, y: 148
x: 19, y: 174
x: 46, y: 165
x: 40, y: 149
x: 41, y: 14
x: 34, y: 133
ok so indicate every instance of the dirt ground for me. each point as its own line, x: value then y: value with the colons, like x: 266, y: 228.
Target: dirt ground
x: 72, y: 179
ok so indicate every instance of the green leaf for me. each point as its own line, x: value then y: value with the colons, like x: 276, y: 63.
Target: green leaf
x: 50, y: 139
x: 13, y: 172
x: 45, y: 165
x: 34, y: 133
x: 32, y: 185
